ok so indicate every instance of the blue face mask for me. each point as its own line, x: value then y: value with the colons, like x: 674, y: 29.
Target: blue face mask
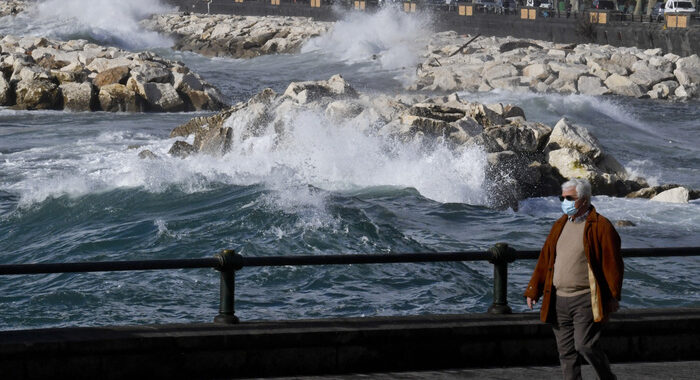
x: 569, y: 207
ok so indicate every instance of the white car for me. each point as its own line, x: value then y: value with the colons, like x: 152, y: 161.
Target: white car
x: 679, y: 6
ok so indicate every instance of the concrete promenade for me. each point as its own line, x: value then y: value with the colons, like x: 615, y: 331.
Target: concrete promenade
x: 687, y: 370
x: 438, y: 344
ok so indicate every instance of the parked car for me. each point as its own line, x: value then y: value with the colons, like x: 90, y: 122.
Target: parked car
x: 679, y: 6
x: 657, y: 13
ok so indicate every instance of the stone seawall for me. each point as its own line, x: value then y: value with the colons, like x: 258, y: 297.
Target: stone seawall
x: 331, y: 346
x: 683, y: 42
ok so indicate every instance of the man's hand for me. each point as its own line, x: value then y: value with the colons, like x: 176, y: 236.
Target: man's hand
x: 531, y: 302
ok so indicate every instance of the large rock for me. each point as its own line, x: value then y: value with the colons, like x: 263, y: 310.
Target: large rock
x: 623, y: 86
x: 499, y: 71
x: 162, y: 97
x: 7, y: 95
x: 589, y: 85
x: 117, y: 97
x: 649, y: 77
x: 118, y: 74
x: 334, y: 88
x: 687, y: 75
x: 567, y: 135
x: 79, y: 96
x: 153, y: 73
x: 676, y: 195
x: 520, y: 137
x: 538, y: 71
x: 37, y: 94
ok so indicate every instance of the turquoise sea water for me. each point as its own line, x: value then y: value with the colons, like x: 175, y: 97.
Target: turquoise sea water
x: 73, y: 189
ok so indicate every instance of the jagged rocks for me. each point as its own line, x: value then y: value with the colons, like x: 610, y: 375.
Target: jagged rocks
x: 540, y: 66
x: 236, y: 36
x: 525, y: 158
x: 38, y: 72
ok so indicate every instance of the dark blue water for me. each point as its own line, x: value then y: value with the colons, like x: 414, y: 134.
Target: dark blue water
x: 73, y: 189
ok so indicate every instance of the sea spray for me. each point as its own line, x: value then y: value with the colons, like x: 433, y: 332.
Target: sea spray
x: 103, y: 21
x: 392, y: 38
x: 309, y: 151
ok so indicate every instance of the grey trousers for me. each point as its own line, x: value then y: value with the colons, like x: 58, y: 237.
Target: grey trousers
x: 577, y: 334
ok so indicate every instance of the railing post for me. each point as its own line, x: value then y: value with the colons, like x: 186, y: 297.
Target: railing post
x: 501, y: 255
x: 229, y: 263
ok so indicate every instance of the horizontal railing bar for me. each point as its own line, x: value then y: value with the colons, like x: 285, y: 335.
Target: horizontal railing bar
x: 661, y: 252
x: 213, y: 262
x: 363, y: 258
x: 108, y: 266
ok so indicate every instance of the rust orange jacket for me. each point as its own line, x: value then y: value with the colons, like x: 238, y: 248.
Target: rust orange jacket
x: 601, y: 244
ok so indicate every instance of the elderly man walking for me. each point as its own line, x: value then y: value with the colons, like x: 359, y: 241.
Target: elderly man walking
x: 579, y: 277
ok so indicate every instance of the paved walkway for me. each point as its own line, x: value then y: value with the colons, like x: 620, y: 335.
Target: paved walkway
x: 626, y: 371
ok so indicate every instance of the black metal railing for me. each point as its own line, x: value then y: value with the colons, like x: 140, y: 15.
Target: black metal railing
x: 227, y: 262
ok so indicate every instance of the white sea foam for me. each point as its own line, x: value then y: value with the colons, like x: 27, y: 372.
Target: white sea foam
x: 312, y: 154
x: 392, y: 38
x: 106, y: 21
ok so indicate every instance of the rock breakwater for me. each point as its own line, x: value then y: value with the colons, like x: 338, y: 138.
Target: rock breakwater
x: 524, y: 158
x: 539, y: 66
x: 12, y: 7
x: 39, y: 73
x: 236, y: 36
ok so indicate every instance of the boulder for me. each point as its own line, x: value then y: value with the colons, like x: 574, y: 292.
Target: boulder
x: 100, y: 64
x: 215, y: 141
x: 36, y: 94
x: 675, y: 195
x: 648, y: 77
x: 498, y: 71
x: 623, y: 86
x: 118, y: 74
x: 147, y: 155
x: 538, y: 71
x: 339, y: 110
x: 79, y: 96
x: 687, y: 75
x: 568, y: 72
x: 520, y: 137
x: 590, y: 85
x: 117, y: 97
x: 153, y: 73
x: 7, y: 94
x: 334, y: 88
x: 567, y: 135
x: 665, y: 89
x: 162, y: 97
x: 650, y: 192
x: 181, y: 149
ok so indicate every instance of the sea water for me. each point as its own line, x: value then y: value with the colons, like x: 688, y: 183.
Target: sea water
x: 73, y: 189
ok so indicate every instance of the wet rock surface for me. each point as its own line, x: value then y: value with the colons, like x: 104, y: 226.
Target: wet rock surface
x: 236, y: 36
x: 540, y: 66
x: 524, y: 158
x: 39, y: 73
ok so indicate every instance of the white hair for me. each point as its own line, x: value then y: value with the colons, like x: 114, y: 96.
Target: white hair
x: 583, y: 187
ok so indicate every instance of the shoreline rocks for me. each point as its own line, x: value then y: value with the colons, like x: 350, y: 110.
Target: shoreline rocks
x: 545, y: 67
x: 524, y: 158
x: 39, y: 73
x: 12, y: 7
x: 236, y: 36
